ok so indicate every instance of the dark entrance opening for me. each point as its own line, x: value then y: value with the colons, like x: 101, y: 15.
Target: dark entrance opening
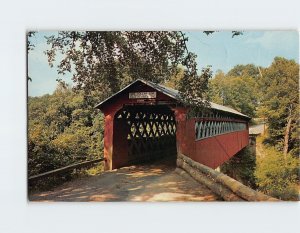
x: 143, y: 133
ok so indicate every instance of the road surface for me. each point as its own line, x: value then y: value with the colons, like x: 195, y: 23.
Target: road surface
x: 256, y: 129
x: 149, y: 182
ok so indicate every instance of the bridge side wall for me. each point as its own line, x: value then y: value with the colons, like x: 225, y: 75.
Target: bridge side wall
x: 212, y: 151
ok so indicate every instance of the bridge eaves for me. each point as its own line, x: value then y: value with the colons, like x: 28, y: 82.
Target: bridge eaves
x: 173, y: 94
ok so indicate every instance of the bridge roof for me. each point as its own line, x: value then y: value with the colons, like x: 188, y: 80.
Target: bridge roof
x: 173, y: 94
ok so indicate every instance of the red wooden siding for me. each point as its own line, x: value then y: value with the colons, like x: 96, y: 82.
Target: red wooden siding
x: 212, y: 151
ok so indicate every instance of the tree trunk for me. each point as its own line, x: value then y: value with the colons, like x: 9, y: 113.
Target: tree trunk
x: 287, y: 135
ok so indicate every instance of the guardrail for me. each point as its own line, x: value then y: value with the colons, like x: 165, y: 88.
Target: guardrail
x: 64, y: 169
x: 223, y: 185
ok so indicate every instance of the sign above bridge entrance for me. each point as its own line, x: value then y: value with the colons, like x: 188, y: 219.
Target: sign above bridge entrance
x: 142, y: 95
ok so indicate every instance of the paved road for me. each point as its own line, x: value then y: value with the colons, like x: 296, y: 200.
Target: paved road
x: 155, y: 182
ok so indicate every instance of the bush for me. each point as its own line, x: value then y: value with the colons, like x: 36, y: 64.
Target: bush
x: 241, y: 167
x: 277, y: 177
x: 63, y: 129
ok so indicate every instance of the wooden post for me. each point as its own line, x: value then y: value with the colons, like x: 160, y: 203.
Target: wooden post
x: 180, y: 118
x: 108, y: 140
x: 109, y: 115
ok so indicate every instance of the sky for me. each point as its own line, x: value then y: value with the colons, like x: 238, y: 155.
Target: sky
x: 218, y: 50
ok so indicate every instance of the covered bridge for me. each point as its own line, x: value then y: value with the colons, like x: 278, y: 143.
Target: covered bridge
x: 145, y: 121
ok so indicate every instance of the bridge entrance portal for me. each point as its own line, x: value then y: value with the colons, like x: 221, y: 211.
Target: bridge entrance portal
x: 143, y: 133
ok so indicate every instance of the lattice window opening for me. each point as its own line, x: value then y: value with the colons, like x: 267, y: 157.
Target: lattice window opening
x: 216, y: 115
x: 205, y: 129
x: 148, y: 125
x: 151, y: 132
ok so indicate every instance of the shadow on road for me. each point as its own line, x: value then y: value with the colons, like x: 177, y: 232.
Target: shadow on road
x: 146, y: 182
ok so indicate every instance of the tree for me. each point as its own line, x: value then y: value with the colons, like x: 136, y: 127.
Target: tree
x: 216, y: 86
x: 279, y: 86
x: 248, y: 70
x: 241, y: 167
x: 236, y: 89
x: 110, y: 60
x: 102, y: 60
x: 64, y: 128
x: 174, y: 80
x: 277, y: 175
x: 193, y: 90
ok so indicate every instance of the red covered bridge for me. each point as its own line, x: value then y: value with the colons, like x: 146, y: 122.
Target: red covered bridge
x: 145, y: 121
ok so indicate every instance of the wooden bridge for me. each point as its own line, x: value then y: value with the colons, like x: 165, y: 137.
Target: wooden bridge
x: 146, y: 123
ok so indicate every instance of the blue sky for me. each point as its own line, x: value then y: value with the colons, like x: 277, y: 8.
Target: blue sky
x: 219, y: 50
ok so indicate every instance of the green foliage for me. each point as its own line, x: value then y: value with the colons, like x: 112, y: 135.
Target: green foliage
x: 241, y: 167
x: 109, y: 60
x: 193, y: 89
x: 235, y: 91
x: 63, y: 129
x: 174, y: 81
x: 95, y: 170
x: 272, y: 94
x: 277, y: 177
x: 249, y: 70
x: 279, y: 87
